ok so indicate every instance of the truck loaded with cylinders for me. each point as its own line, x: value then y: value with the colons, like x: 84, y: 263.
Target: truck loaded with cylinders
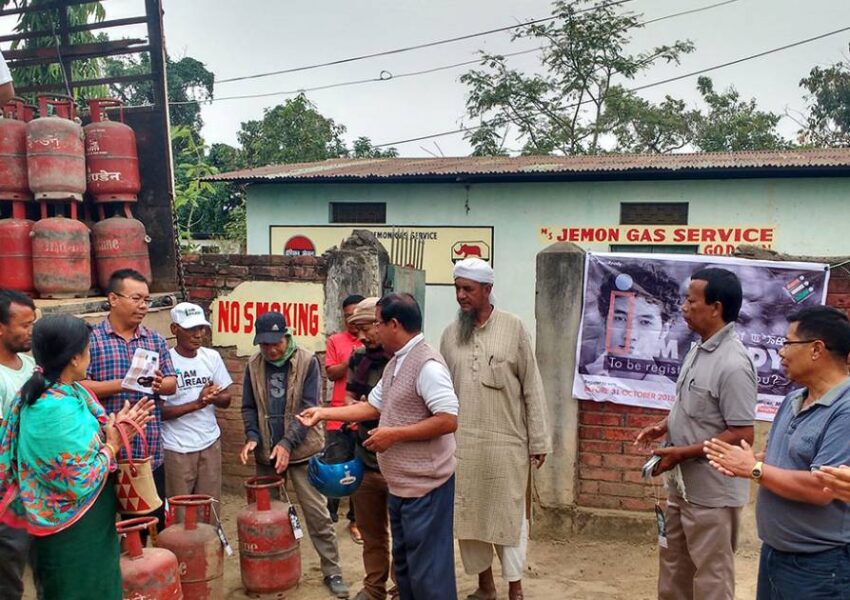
x: 86, y: 185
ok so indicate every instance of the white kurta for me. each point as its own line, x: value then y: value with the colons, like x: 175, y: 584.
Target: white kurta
x: 502, y: 421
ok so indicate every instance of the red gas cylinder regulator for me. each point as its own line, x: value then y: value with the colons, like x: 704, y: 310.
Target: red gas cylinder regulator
x: 146, y: 573
x: 14, y: 184
x: 56, y: 160
x: 16, y: 251
x: 112, y: 163
x: 269, y: 553
x: 61, y: 256
x: 120, y: 242
x: 198, y: 548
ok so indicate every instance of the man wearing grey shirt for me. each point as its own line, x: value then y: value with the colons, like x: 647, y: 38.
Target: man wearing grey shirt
x: 715, y: 398
x: 805, y: 529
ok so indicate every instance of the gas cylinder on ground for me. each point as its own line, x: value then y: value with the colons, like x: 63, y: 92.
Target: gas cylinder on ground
x: 120, y: 242
x: 14, y: 184
x: 61, y: 256
x: 269, y: 553
x: 198, y: 548
x: 56, y: 161
x: 148, y: 573
x: 112, y: 163
x: 16, y: 251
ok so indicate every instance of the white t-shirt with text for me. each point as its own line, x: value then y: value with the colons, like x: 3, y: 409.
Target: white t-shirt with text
x: 197, y: 430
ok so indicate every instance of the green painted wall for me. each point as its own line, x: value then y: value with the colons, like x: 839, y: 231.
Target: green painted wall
x: 808, y: 215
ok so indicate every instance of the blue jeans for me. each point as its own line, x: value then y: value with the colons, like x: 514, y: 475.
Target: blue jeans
x: 423, y: 544
x: 793, y: 575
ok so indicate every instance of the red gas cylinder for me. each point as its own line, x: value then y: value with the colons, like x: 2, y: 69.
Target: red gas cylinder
x: 112, y: 164
x: 56, y: 161
x: 198, y: 549
x: 269, y: 554
x: 16, y: 251
x: 61, y: 256
x: 146, y: 573
x: 14, y: 184
x: 120, y: 243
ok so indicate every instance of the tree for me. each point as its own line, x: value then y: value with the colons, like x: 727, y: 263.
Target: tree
x: 727, y: 125
x: 561, y: 110
x: 363, y: 148
x: 828, y: 121
x: 188, y: 80
x: 732, y: 125
x: 291, y: 132
x: 190, y: 167
x: 45, y: 20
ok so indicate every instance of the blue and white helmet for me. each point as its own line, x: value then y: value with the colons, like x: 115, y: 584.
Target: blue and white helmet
x: 335, y: 480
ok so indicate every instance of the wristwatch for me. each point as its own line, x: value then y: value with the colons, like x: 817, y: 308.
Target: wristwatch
x: 757, y: 472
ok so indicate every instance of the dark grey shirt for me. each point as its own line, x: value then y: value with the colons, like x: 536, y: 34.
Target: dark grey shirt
x: 716, y: 389
x: 800, y: 440
x: 276, y: 382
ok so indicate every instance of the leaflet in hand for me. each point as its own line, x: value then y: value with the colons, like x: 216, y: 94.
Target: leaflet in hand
x: 142, y: 371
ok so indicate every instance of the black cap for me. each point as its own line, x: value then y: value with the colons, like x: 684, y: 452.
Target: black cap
x: 269, y: 328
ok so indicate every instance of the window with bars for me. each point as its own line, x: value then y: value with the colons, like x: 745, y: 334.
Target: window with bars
x: 358, y: 212
x: 653, y: 213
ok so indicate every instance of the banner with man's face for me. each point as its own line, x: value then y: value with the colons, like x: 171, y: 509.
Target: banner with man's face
x: 632, y: 338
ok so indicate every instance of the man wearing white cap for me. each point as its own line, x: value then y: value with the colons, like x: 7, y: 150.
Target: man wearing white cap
x: 502, y: 430
x: 190, y: 432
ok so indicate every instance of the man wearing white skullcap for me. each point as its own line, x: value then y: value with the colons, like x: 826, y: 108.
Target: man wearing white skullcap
x: 502, y: 430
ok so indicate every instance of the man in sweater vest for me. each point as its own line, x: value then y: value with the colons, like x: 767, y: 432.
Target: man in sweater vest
x: 416, y: 406
x: 282, y: 380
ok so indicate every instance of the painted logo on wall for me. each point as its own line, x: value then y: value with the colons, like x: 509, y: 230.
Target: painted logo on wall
x: 299, y: 245
x: 476, y: 249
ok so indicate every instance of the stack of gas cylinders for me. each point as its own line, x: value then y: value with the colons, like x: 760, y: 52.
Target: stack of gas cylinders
x: 50, y: 167
x: 186, y: 561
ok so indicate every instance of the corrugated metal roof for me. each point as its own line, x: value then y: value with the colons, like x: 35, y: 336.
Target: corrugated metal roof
x: 544, y: 167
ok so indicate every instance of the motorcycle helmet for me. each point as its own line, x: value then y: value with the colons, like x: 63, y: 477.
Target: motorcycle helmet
x: 335, y: 480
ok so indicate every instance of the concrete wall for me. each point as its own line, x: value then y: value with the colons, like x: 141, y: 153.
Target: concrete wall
x: 518, y: 210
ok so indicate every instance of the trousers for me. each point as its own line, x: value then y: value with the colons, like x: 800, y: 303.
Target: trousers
x: 699, y: 560
x: 194, y: 473
x: 477, y: 556
x: 14, y: 551
x: 423, y: 545
x: 815, y: 576
x: 370, y: 502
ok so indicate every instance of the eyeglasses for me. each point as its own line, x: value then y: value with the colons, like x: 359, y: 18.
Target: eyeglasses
x: 787, y: 343
x: 136, y: 299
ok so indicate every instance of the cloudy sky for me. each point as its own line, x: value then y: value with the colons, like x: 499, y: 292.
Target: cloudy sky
x: 255, y: 36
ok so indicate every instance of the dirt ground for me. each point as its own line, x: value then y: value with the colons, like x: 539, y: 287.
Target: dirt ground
x: 577, y: 568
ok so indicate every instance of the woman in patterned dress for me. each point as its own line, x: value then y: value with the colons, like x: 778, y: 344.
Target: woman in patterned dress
x: 57, y: 450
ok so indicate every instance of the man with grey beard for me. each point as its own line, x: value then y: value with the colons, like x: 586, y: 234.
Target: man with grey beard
x: 502, y: 430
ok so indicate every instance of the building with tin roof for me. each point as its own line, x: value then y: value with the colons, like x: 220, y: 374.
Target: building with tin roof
x: 507, y: 209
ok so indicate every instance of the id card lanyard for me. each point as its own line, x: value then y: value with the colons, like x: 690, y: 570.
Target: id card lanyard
x: 660, y: 519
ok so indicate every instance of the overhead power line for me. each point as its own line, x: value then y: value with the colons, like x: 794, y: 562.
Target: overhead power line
x: 387, y: 75
x: 416, y: 47
x: 641, y: 87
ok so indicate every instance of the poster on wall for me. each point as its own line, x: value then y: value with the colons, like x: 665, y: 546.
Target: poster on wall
x: 443, y: 246
x: 632, y: 338
x: 302, y: 304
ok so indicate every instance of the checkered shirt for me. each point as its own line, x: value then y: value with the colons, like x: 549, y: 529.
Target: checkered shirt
x: 111, y: 356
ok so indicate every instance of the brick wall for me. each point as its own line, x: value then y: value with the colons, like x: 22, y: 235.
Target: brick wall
x: 609, y: 465
x: 211, y: 275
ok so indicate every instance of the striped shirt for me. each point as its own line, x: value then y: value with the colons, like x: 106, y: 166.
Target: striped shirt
x: 111, y: 356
